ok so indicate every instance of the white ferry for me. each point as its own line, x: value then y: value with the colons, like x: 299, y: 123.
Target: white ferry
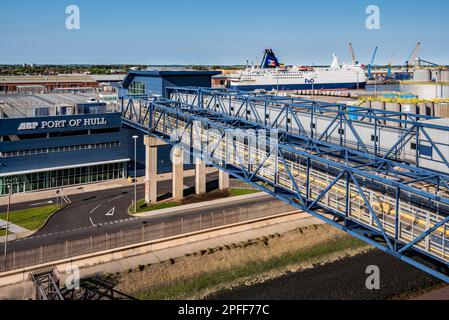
x: 270, y: 75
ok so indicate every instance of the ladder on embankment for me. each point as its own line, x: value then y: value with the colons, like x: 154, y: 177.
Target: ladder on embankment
x: 46, y: 284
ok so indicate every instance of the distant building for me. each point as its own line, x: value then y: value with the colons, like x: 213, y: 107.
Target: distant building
x: 156, y: 82
x: 46, y: 83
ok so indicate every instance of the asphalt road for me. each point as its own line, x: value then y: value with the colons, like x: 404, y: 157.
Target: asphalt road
x: 114, y: 224
x: 103, y: 206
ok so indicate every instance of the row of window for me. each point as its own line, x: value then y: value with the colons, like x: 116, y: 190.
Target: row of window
x: 60, y: 134
x: 59, y: 149
x: 61, y: 178
x: 137, y: 88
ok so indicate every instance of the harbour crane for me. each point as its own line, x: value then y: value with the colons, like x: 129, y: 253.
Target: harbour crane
x: 372, y: 62
x: 351, y: 51
x: 389, y: 68
x: 413, y: 59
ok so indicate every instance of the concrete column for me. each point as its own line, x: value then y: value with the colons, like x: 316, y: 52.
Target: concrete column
x: 150, y: 169
x: 200, y: 177
x: 223, y: 180
x: 178, y: 173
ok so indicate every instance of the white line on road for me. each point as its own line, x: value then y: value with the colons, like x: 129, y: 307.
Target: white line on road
x: 95, y: 208
x: 116, y: 198
x: 110, y: 212
x: 39, y: 203
x: 91, y: 222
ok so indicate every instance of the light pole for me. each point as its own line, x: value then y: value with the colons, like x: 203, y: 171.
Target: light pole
x: 7, y: 222
x: 135, y: 173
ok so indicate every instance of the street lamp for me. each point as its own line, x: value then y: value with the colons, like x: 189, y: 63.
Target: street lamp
x: 135, y: 173
x: 7, y: 221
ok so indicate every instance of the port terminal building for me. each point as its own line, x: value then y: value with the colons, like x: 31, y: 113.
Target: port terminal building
x: 56, y: 140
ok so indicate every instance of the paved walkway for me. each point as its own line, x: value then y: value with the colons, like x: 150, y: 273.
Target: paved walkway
x: 46, y: 194
x: 12, y: 227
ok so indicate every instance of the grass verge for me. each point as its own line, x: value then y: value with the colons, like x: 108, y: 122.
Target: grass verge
x: 186, y: 288
x: 3, y: 232
x: 240, y: 192
x: 31, y: 219
x: 142, y: 206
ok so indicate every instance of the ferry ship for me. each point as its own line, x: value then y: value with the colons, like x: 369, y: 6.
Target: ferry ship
x: 271, y: 75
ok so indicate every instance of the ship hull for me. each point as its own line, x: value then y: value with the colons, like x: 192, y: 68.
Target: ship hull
x: 316, y: 86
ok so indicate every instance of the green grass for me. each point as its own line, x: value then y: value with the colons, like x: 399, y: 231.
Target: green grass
x: 188, y: 287
x: 241, y: 192
x: 31, y: 219
x: 143, y: 207
x: 3, y: 232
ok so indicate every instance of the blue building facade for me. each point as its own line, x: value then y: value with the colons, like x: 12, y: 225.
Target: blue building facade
x: 54, y: 151
x: 155, y: 82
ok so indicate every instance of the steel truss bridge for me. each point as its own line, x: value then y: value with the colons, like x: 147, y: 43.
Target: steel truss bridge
x: 364, y: 171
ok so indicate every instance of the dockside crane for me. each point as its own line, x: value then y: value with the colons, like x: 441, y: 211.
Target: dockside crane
x: 351, y: 52
x: 413, y: 59
x: 372, y: 63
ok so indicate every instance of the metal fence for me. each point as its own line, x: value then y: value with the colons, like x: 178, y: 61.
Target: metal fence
x: 240, y: 184
x: 148, y: 232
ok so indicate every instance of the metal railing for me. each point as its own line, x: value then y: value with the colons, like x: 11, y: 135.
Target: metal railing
x: 147, y: 232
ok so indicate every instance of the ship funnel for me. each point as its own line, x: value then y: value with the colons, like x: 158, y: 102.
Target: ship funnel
x: 335, y: 63
x: 269, y: 60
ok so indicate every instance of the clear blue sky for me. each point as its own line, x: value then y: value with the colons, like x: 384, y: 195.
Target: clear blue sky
x: 219, y: 31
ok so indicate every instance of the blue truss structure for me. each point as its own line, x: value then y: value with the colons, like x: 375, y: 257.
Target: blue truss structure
x: 381, y: 196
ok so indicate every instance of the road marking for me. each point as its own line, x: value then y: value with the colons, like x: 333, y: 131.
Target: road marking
x: 110, y: 212
x: 91, y: 222
x: 116, y: 198
x: 95, y: 208
x: 39, y: 203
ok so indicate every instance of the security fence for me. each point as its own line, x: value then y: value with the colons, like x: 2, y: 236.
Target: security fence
x: 145, y: 232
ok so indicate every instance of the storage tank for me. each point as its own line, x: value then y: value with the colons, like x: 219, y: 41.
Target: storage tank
x: 378, y: 105
x: 442, y: 110
x: 436, y: 75
x: 393, y: 106
x: 430, y: 108
x: 422, y: 108
x: 409, y: 108
x: 444, y: 75
x: 422, y: 75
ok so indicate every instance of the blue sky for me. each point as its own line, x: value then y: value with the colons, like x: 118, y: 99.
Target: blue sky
x: 219, y: 31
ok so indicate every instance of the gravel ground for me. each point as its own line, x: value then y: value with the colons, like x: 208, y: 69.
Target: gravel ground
x: 344, y: 279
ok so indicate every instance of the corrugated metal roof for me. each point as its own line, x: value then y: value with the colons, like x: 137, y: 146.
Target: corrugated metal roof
x: 108, y: 77
x: 46, y: 79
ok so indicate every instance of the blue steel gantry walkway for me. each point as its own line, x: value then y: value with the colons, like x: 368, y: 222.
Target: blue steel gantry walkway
x: 381, y: 176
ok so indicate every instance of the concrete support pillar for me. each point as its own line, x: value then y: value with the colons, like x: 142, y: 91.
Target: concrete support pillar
x: 200, y: 177
x: 223, y: 180
x: 150, y: 169
x: 178, y: 173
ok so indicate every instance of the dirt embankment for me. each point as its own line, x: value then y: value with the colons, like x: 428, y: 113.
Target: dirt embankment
x: 202, y: 273
x: 342, y: 280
